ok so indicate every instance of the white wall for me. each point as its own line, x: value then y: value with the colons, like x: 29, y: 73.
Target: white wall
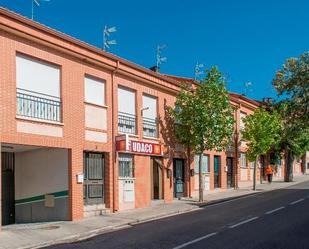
x: 35, y: 75
x: 41, y: 171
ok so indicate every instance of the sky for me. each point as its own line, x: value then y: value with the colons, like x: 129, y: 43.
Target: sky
x: 247, y: 39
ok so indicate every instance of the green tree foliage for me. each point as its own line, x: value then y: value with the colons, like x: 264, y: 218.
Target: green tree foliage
x: 204, y: 117
x: 262, y: 132
x: 292, y: 85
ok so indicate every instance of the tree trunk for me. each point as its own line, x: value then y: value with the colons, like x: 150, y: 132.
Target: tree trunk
x: 303, y: 164
x: 200, y: 178
x: 254, y: 173
x: 289, y: 159
x: 189, y: 170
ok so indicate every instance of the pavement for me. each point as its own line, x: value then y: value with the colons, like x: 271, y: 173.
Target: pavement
x: 51, y: 233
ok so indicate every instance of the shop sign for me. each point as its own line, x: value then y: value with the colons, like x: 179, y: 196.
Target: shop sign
x: 145, y: 148
x: 125, y: 145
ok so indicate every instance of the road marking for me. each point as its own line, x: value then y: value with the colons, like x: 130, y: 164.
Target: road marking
x: 274, y: 210
x: 243, y: 222
x: 294, y: 202
x: 194, y: 241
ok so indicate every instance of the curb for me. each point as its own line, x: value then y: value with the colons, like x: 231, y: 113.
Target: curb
x: 102, y: 230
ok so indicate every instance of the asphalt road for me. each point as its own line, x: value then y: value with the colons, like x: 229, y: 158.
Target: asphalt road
x: 276, y: 220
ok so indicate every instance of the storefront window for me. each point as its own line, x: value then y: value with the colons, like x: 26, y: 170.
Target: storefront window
x: 125, y: 163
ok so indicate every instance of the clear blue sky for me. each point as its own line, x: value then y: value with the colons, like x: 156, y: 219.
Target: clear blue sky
x: 247, y: 39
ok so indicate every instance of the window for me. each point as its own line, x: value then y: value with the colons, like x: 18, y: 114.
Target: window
x: 251, y: 164
x: 94, y: 91
x: 205, y: 164
x: 242, y: 124
x: 38, y: 89
x: 243, y: 160
x: 126, y: 111
x: 125, y: 162
x: 149, y: 116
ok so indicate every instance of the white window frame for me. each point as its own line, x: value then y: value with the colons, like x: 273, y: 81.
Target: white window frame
x: 243, y: 160
x: 94, y: 90
x: 125, y: 165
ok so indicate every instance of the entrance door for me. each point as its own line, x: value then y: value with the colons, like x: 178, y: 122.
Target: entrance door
x: 8, y: 192
x: 93, y: 178
x: 178, y: 178
x: 217, y: 171
x: 229, y: 164
x: 156, y: 179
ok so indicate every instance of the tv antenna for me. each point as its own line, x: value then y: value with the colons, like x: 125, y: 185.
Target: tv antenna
x: 198, y: 70
x: 248, y: 88
x: 37, y: 3
x: 106, y: 33
x: 160, y: 59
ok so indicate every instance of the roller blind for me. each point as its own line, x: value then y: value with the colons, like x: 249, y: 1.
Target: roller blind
x: 126, y: 101
x: 94, y: 91
x: 37, y: 76
x: 149, y: 107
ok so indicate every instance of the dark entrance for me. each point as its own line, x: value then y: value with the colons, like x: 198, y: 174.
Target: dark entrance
x: 93, y: 178
x: 178, y: 178
x: 217, y: 162
x: 8, y: 191
x: 156, y: 172
x: 229, y: 164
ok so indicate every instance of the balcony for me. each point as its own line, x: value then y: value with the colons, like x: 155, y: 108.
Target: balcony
x: 37, y: 105
x: 150, y: 127
x: 126, y: 123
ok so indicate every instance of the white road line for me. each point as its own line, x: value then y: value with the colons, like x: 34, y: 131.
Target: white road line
x: 194, y: 241
x: 243, y: 222
x: 294, y: 202
x: 274, y: 210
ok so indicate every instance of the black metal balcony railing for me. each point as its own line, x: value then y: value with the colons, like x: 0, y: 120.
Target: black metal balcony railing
x: 37, y: 105
x: 126, y: 123
x: 150, y: 127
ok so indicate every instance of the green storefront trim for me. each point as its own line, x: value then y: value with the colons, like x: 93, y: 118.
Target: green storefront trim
x: 38, y: 198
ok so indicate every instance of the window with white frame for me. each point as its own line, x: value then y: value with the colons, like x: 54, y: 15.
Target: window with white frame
x: 38, y: 89
x: 242, y: 117
x: 252, y: 164
x: 205, y: 164
x: 150, y: 116
x: 94, y: 91
x: 243, y: 160
x: 125, y: 163
x: 126, y: 111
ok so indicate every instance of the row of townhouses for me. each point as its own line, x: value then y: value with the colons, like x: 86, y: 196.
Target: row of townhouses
x: 84, y: 132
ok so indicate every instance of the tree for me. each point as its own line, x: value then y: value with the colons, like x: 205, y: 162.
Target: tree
x: 204, y: 117
x: 261, y: 132
x: 292, y: 85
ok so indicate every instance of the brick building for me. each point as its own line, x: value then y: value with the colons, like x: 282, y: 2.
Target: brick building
x: 85, y: 132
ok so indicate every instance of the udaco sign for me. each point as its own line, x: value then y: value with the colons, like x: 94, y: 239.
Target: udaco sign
x: 125, y: 145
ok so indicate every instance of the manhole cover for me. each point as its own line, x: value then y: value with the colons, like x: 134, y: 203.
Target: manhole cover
x: 50, y: 227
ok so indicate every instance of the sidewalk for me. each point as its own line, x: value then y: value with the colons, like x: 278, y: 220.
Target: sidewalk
x: 44, y: 234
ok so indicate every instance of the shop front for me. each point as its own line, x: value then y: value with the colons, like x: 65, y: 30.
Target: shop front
x: 140, y: 172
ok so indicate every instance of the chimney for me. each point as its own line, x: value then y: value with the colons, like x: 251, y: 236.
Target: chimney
x: 155, y: 69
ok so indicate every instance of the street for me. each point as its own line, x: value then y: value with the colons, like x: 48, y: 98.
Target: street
x: 275, y: 219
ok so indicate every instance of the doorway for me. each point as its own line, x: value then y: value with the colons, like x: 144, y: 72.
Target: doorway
x: 229, y: 164
x: 178, y: 169
x: 8, y: 190
x: 156, y: 176
x: 217, y: 162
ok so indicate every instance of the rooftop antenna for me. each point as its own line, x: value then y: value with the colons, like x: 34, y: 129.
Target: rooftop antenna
x: 248, y: 86
x: 37, y: 3
x: 160, y: 59
x: 198, y: 70
x: 106, y: 33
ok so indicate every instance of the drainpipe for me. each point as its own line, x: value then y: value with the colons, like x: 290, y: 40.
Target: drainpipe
x: 113, y: 138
